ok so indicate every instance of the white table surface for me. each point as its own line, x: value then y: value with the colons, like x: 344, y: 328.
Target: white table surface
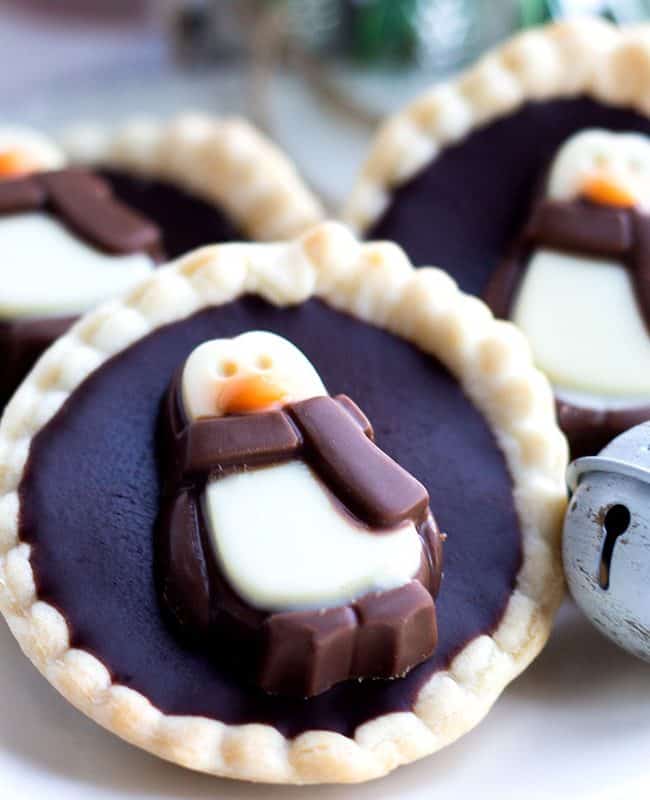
x: 575, y: 725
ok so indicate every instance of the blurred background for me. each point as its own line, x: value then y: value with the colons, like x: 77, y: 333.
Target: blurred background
x: 308, y: 72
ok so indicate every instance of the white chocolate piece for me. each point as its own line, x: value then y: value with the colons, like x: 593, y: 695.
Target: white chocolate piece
x: 582, y: 319
x: 213, y: 364
x: 624, y: 157
x: 284, y: 545
x: 45, y: 270
x: 38, y: 149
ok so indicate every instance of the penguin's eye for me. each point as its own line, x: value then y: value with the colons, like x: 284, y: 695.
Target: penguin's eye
x: 264, y: 362
x: 616, y: 522
x: 601, y: 159
x: 228, y: 368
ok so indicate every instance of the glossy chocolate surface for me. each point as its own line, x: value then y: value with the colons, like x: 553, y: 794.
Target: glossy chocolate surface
x: 463, y: 211
x: 90, y: 498
x: 186, y: 222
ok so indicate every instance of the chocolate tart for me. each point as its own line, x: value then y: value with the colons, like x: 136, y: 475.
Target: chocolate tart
x: 202, y: 180
x: 456, y: 175
x: 453, y: 398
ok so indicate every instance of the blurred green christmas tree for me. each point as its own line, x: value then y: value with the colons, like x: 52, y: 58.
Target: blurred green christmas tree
x: 534, y: 12
x: 410, y: 31
x: 382, y: 29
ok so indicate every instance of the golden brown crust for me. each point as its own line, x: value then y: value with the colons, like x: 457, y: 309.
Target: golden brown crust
x: 374, y: 282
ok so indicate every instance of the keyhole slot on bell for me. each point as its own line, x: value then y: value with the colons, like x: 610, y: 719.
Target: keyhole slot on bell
x: 616, y: 522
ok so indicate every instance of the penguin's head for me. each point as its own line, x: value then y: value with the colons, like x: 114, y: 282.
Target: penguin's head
x: 608, y: 168
x: 23, y: 151
x: 255, y: 372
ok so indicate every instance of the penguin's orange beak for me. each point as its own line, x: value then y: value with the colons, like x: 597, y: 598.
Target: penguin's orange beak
x: 608, y: 190
x: 249, y: 393
x: 15, y: 163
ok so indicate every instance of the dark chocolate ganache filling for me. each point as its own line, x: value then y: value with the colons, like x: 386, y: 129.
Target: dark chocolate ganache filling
x: 463, y: 211
x: 186, y: 221
x: 90, y: 497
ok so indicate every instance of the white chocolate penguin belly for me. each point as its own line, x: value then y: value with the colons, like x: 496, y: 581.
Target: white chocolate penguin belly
x: 284, y: 545
x: 582, y: 320
x: 47, y: 271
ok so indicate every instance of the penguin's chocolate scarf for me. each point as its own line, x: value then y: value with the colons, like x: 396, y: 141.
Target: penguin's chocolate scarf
x: 84, y: 202
x: 582, y: 228
x: 332, y: 435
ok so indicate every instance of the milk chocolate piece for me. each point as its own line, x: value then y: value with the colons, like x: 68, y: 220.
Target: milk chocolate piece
x: 86, y: 204
x: 582, y: 227
x: 72, y: 180
x: 433, y: 548
x: 383, y: 634
x: 215, y: 444
x: 306, y: 653
x: 369, y: 482
x: 503, y: 283
x: 185, y: 586
x: 640, y: 259
x: 590, y: 429
x: 397, y: 629
x: 219, y: 443
x: 357, y: 415
x: 21, y: 194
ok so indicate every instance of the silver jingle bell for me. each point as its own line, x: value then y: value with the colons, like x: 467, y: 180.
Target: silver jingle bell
x: 606, y: 544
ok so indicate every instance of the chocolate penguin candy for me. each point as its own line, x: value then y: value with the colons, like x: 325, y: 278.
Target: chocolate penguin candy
x: 286, y: 529
x: 286, y: 512
x: 528, y: 179
x: 72, y: 238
